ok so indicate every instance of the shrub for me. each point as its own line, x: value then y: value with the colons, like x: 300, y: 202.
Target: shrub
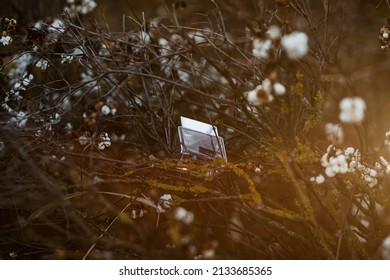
x: 90, y: 153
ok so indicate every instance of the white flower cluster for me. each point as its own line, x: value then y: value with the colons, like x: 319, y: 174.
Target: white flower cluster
x: 384, y: 37
x: 104, y: 141
x: 57, y: 26
x: 19, y: 87
x: 144, y: 37
x: 42, y: 63
x: 385, y: 248
x: 54, y: 157
x: 107, y: 109
x: 295, y: 44
x: 166, y: 64
x: 14, y: 94
x: 320, y: 179
x: 336, y: 161
x: 274, y: 32
x: 164, y: 203
x: 5, y: 40
x: 382, y: 166
x: 20, y: 65
x: 198, y: 37
x: 20, y: 119
x: 334, y: 133
x: 69, y: 57
x: 183, y: 75
x: 66, y: 58
x: 370, y: 176
x: 261, y: 47
x: 387, y: 140
x: 352, y: 110
x: 186, y: 217
x: 265, y: 92
x: 55, y: 119
x: 89, y: 80
x: 82, y: 7
x: 138, y: 213
x: 84, y: 140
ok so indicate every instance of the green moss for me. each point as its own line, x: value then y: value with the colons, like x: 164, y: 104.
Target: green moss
x: 168, y: 187
x: 316, y: 113
x: 359, y: 246
x: 256, y: 197
x: 297, y: 87
x: 303, y: 154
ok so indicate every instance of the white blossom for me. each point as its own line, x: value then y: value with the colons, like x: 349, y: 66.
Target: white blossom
x: 274, y: 32
x: 88, y: 6
x: 279, y: 89
x: 164, y: 44
x: 383, y: 161
x: 295, y: 44
x: 198, y: 37
x: 69, y: 126
x: 373, y: 173
x: 65, y: 58
x: 336, y: 161
x: 42, y: 63
x: 55, y: 119
x: 261, y: 48
x: 183, y: 215
x: 144, y: 37
x: 105, y: 110
x: 349, y: 151
x: 166, y: 196
x: 266, y: 83
x: 164, y: 203
x: 57, y: 26
x: 20, y: 120
x: 84, y: 7
x: 104, y: 141
x: 387, y: 140
x: 352, y: 110
x: 83, y: 140
x: 320, y: 179
x: 261, y: 94
x: 385, y: 248
x: 183, y: 75
x: 6, y: 40
x: 137, y: 213
x: 19, y: 67
x: 69, y: 57
x: 334, y: 133
x: 208, y: 253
